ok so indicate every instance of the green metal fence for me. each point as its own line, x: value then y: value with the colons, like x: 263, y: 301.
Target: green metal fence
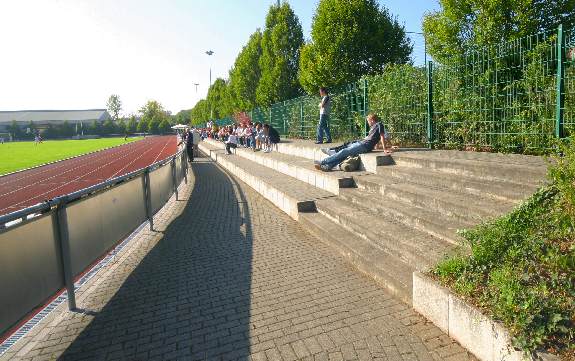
x: 518, y: 96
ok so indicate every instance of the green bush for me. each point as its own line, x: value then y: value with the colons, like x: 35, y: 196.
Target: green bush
x: 521, y: 267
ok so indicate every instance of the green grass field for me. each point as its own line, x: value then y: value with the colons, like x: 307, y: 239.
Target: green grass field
x: 22, y: 155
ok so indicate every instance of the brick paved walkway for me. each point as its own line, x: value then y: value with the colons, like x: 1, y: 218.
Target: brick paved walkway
x: 233, y: 277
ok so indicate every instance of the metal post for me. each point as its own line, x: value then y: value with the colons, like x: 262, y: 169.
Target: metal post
x: 184, y: 161
x: 560, y: 103
x: 148, y: 197
x: 301, y: 117
x: 365, y: 106
x: 174, y: 180
x: 63, y: 239
x: 430, y: 139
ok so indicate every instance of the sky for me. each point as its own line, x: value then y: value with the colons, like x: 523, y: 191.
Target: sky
x: 73, y: 54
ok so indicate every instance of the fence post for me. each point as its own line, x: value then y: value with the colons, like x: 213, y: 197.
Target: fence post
x: 301, y: 117
x: 560, y: 99
x: 365, y: 110
x: 184, y: 162
x: 147, y: 197
x: 174, y: 178
x: 63, y: 238
x: 430, y: 139
x: 284, y: 117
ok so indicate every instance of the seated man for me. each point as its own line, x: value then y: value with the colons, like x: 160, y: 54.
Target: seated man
x: 376, y: 134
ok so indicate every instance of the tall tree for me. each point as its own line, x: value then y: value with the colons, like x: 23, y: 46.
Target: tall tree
x: 200, y: 113
x: 460, y: 26
x: 246, y: 73
x: 281, y: 42
x: 114, y: 106
x: 131, y: 125
x: 218, y: 98
x: 350, y: 39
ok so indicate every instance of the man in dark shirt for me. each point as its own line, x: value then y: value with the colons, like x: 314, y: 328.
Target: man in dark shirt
x: 376, y: 134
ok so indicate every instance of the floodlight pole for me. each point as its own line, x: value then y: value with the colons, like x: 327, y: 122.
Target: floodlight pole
x: 210, y: 53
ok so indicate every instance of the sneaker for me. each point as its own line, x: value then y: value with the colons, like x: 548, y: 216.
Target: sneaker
x: 318, y: 142
x: 317, y: 166
x: 328, y: 151
x: 325, y: 168
x: 267, y: 151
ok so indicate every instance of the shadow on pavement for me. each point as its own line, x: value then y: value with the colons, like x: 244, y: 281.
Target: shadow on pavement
x: 189, y: 297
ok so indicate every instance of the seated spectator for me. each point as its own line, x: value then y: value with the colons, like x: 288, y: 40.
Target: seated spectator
x: 376, y: 134
x: 272, y: 137
x: 231, y: 142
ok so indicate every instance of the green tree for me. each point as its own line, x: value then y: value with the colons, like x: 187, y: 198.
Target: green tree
x: 281, y: 41
x: 108, y: 127
x: 200, y: 113
x: 142, y: 126
x: 15, y: 130
x: 120, y: 127
x: 350, y: 39
x: 153, y: 125
x: 114, y: 106
x: 182, y: 117
x: 164, y: 127
x: 65, y: 129
x: 131, y: 125
x: 460, y: 26
x: 152, y: 114
x: 219, y: 99
x: 246, y: 73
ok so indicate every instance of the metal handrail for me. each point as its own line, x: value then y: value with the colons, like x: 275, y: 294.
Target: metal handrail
x: 110, y: 183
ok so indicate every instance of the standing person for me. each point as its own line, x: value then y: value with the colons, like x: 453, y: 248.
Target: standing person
x: 324, y: 109
x: 273, y: 137
x: 188, y: 137
x: 232, y: 141
x: 376, y: 134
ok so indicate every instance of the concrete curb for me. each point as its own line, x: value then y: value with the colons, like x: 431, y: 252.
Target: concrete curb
x: 487, y: 339
x: 326, y: 181
x: 280, y: 199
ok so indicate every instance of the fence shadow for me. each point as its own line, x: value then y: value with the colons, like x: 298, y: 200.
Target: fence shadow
x: 190, y: 295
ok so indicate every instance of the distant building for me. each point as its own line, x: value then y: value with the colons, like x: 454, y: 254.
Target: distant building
x: 42, y: 118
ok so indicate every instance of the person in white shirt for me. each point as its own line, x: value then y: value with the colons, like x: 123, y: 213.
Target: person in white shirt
x: 232, y: 141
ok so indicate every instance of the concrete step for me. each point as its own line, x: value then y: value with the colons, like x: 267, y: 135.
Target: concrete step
x: 495, y: 189
x: 416, y: 248
x: 484, y: 169
x: 499, y: 158
x: 308, y: 150
x: 387, y: 270
x: 290, y: 195
x: 297, y: 167
x: 423, y: 219
x: 448, y: 202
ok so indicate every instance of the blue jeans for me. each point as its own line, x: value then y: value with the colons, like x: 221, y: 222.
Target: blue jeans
x: 323, y: 126
x: 351, y: 150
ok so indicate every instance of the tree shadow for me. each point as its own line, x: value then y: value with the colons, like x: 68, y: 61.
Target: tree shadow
x: 189, y: 297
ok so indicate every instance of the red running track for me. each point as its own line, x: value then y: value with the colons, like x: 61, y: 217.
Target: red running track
x: 30, y: 187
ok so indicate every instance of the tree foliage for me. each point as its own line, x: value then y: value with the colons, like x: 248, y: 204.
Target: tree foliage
x: 350, y: 39
x: 282, y: 39
x: 466, y: 25
x: 153, y: 114
x: 114, y: 106
x: 200, y: 113
x: 246, y: 73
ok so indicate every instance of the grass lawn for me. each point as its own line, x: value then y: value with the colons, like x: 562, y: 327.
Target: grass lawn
x: 22, y: 155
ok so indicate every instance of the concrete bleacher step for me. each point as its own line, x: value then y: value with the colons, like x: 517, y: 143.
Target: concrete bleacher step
x: 308, y: 150
x: 416, y: 248
x: 297, y: 167
x: 447, y: 202
x: 387, y: 270
x: 494, y: 189
x: 423, y: 219
x: 289, y: 194
x: 490, y: 168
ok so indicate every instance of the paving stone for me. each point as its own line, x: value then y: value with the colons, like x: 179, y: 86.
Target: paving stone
x: 227, y: 275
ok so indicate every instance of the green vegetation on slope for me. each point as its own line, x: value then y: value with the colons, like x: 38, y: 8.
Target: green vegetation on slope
x: 21, y: 155
x: 521, y: 268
